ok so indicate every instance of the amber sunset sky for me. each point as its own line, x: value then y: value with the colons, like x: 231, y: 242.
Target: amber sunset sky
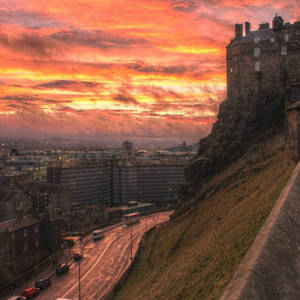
x: 110, y: 70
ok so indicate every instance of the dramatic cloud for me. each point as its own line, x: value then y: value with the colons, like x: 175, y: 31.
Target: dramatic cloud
x: 107, y: 70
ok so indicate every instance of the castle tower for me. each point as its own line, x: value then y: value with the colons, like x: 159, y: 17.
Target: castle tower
x: 277, y: 22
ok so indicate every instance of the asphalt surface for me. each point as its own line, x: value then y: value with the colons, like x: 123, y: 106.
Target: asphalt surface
x: 103, y: 262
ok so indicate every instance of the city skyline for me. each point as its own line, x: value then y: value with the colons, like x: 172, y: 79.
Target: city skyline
x: 115, y: 70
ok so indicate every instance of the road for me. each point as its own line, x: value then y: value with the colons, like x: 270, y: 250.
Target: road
x: 103, y: 263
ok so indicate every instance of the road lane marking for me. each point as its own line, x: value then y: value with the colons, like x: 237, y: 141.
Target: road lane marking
x: 92, y: 268
x: 104, y: 251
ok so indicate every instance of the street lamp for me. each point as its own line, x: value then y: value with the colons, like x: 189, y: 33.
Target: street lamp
x: 130, y: 241
x: 79, y: 274
x: 79, y: 287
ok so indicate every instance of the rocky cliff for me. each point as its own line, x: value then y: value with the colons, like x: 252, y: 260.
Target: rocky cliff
x: 240, y: 122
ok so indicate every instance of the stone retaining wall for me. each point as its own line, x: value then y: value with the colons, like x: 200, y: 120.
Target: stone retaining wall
x: 271, y: 267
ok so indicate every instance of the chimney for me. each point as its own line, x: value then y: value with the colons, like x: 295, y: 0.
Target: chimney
x: 238, y: 31
x: 247, y: 27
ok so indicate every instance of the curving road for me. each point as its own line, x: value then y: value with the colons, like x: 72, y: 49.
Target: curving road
x: 103, y: 263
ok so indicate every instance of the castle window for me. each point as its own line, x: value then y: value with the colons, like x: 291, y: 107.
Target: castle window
x: 283, y: 50
x: 256, y: 39
x: 286, y: 37
x: 257, y: 66
x: 256, y: 52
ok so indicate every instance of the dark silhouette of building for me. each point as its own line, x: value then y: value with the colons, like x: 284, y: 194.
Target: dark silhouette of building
x: 263, y: 61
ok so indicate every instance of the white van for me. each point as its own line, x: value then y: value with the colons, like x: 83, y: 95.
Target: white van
x: 97, y: 234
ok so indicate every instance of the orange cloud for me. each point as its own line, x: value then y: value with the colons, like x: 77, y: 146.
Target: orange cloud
x: 109, y: 69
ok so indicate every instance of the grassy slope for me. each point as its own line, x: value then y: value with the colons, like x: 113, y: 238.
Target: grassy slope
x: 196, y: 254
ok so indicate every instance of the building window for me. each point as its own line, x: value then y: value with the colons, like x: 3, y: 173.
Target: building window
x: 283, y: 50
x: 272, y: 40
x: 36, y: 228
x: 25, y: 232
x: 257, y: 66
x: 256, y: 40
x: 36, y: 242
x: 283, y: 63
x: 256, y: 52
x: 286, y: 37
x: 231, y: 69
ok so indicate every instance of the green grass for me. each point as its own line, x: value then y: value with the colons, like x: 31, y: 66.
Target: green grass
x: 196, y: 254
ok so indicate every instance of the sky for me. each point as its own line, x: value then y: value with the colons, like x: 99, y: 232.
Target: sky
x: 115, y: 70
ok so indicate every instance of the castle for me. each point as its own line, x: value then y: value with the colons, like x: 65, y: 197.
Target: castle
x: 263, y: 60
x: 267, y: 61
x: 263, y: 83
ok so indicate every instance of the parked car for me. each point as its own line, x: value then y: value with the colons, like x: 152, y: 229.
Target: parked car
x: 31, y: 292
x: 62, y: 269
x: 77, y: 255
x: 17, y: 298
x: 42, y: 283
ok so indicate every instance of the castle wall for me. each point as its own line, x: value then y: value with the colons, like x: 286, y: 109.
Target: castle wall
x: 263, y: 61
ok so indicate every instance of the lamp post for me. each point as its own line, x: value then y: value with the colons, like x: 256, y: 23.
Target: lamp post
x: 79, y: 286
x: 79, y: 274
x: 131, y: 241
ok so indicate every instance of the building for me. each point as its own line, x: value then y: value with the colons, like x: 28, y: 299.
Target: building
x: 124, y: 183
x: 128, y: 148
x: 42, y: 194
x: 158, y: 183
x: 266, y: 60
x: 145, y: 181
x: 86, y: 185
x: 26, y: 241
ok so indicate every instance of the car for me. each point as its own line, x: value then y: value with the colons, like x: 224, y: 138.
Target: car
x: 43, y: 283
x: 17, y: 298
x: 77, y: 255
x: 30, y: 292
x: 62, y: 269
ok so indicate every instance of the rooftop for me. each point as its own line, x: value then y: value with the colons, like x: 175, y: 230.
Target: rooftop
x: 258, y: 35
x: 16, y: 224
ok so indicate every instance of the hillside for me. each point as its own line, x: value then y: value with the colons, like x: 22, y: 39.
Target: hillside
x: 196, y: 254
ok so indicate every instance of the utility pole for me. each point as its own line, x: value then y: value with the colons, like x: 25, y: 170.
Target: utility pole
x: 131, y: 241
x: 79, y: 287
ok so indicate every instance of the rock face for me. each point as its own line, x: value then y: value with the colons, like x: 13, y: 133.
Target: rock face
x: 261, y: 66
x: 235, y: 130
